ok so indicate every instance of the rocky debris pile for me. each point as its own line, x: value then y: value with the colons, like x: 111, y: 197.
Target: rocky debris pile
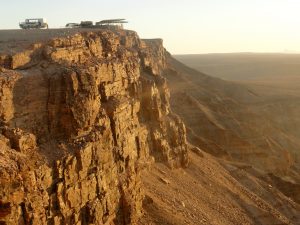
x: 80, y: 117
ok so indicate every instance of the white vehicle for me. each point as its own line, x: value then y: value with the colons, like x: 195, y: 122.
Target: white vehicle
x: 34, y: 24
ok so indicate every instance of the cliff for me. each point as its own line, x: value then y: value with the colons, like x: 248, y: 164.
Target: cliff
x: 81, y: 116
x: 237, y: 122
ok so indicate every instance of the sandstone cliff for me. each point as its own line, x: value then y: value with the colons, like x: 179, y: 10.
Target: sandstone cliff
x: 81, y: 116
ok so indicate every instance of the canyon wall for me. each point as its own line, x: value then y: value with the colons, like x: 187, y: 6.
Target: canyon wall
x: 80, y: 117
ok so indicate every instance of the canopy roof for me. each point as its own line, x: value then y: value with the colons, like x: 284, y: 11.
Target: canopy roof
x: 112, y: 21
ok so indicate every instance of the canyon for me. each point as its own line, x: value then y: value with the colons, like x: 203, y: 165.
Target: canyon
x: 102, y: 127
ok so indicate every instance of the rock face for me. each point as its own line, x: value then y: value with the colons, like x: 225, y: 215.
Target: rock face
x: 80, y: 117
x: 240, y: 123
x: 237, y: 122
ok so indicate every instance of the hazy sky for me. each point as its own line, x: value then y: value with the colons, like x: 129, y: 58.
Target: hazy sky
x: 187, y: 26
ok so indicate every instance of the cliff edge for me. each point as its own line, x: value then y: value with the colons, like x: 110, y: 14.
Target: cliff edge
x: 81, y: 116
x: 87, y: 136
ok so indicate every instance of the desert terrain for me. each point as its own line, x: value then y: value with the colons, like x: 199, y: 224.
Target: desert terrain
x: 249, y: 126
x: 101, y: 127
x: 264, y: 70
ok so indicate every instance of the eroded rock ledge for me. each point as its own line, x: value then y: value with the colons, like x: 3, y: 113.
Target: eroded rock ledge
x: 80, y: 117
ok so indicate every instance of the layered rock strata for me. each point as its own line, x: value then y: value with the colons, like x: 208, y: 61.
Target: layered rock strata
x: 80, y: 117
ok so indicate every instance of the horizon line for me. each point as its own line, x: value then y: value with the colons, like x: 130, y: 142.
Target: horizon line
x: 212, y: 53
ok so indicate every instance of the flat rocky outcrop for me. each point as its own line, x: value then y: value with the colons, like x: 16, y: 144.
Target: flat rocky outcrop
x: 81, y: 116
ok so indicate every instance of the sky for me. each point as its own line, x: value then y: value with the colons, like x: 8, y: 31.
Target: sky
x: 186, y: 26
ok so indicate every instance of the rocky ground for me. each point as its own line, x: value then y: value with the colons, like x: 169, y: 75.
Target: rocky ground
x: 252, y: 133
x: 215, y: 192
x: 16, y: 40
x: 88, y: 136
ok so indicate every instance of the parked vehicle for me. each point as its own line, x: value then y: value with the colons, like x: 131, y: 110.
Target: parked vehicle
x: 37, y: 23
x: 72, y: 25
x: 86, y: 24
